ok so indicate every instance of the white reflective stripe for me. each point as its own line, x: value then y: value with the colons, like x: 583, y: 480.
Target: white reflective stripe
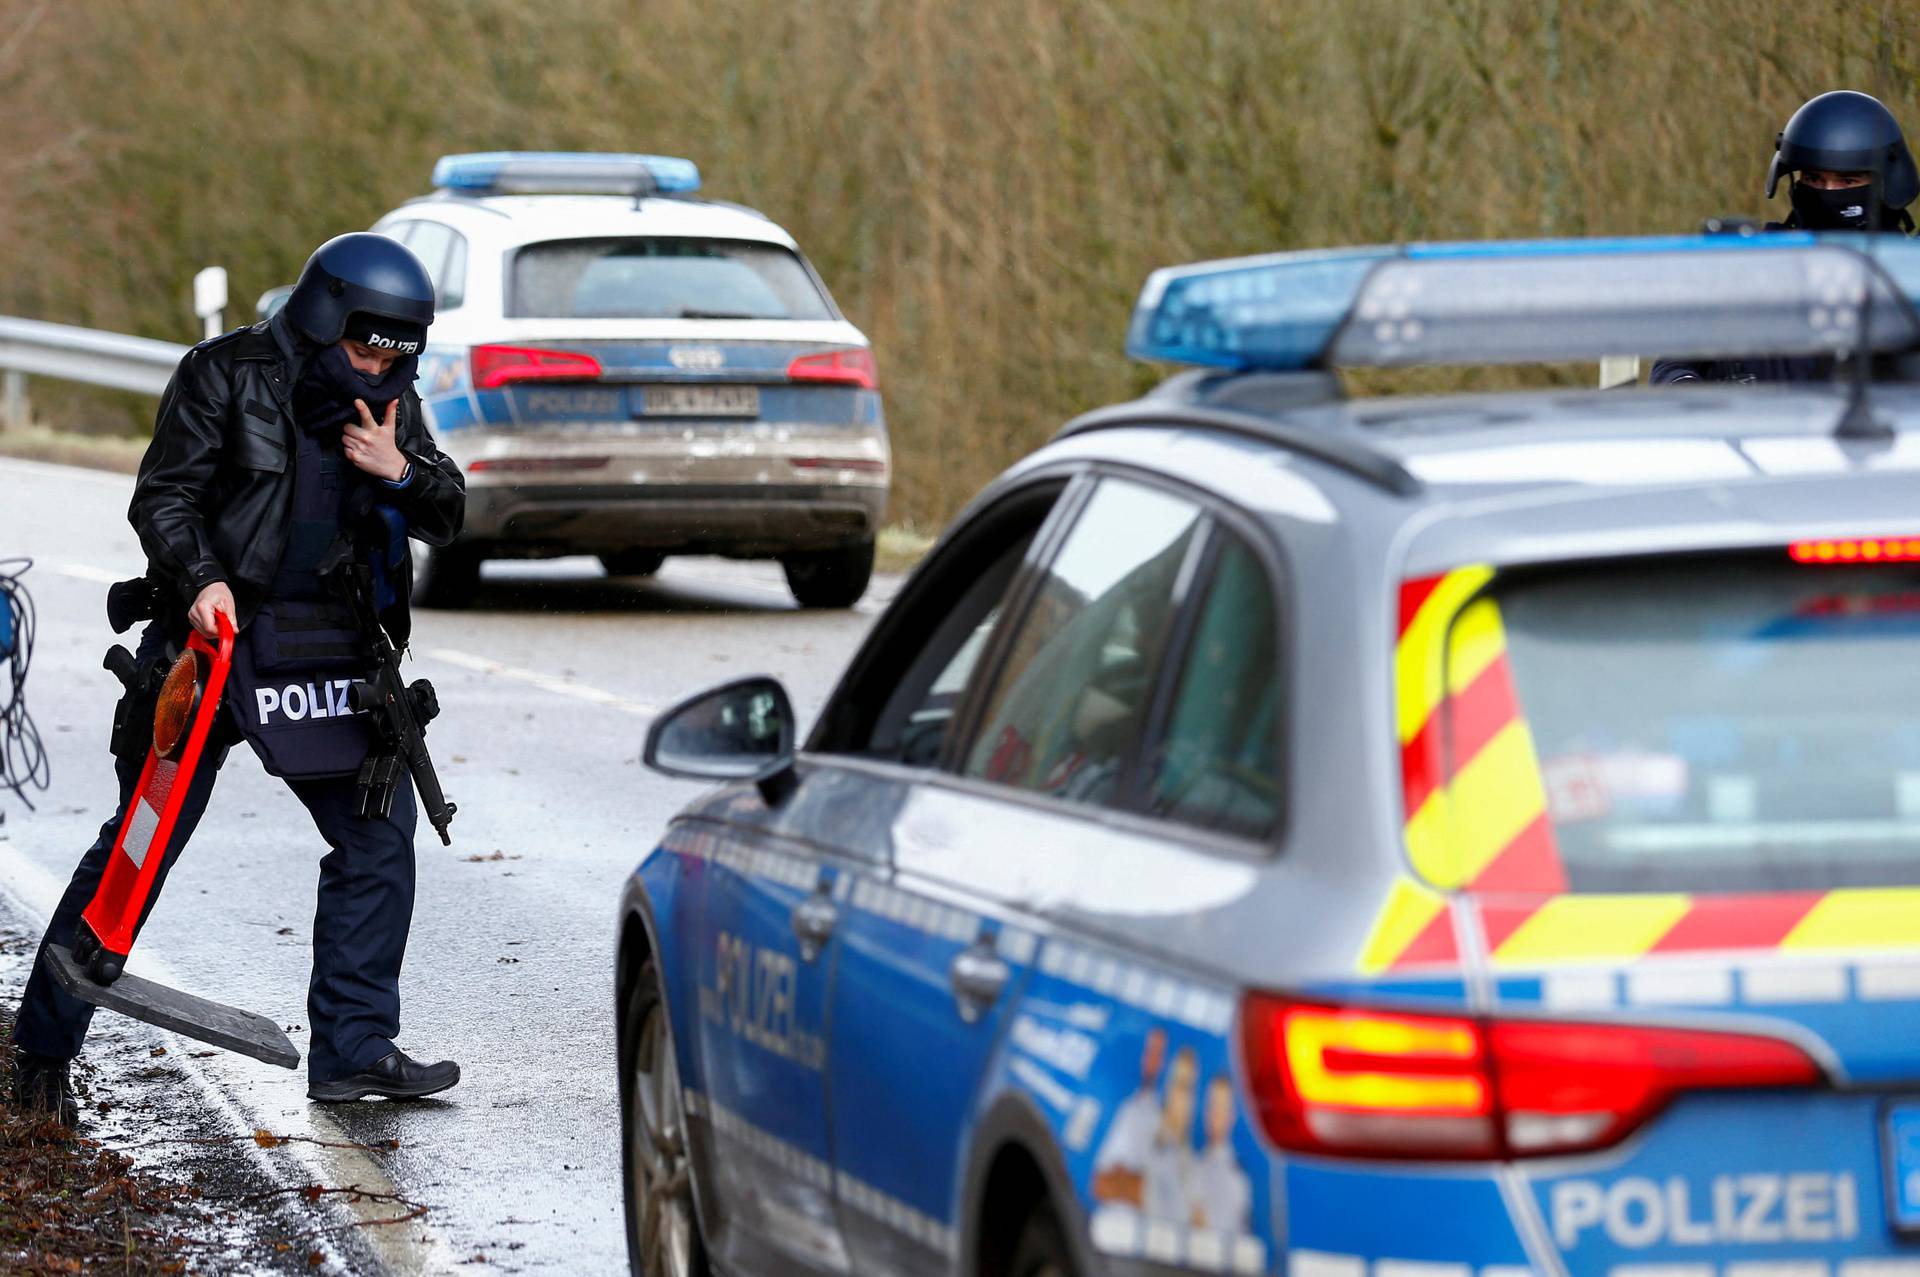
x: 1211, y: 1010
x: 1208, y: 1251
x: 1418, y: 1268
x: 1680, y: 986
x: 1580, y: 989
x: 1886, y: 981
x: 1880, y: 1268
x: 1661, y: 1270
x: 1317, y: 1263
x: 1778, y: 1268
x: 1771, y: 984
x: 1018, y: 945
x: 853, y: 1191
x: 1125, y: 1232
x: 143, y: 822
x: 1506, y: 1270
x: 1115, y: 1230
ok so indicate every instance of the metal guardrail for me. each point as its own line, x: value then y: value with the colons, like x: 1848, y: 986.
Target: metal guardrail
x: 29, y: 347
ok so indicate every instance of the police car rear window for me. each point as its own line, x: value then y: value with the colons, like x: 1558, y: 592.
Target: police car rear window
x: 659, y: 277
x: 1725, y: 724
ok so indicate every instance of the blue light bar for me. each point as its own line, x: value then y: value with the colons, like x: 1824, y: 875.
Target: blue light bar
x: 1534, y: 301
x: 565, y: 172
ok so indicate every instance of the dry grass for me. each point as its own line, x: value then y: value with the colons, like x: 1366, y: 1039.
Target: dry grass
x: 984, y: 185
x: 70, y: 1205
x: 118, y: 453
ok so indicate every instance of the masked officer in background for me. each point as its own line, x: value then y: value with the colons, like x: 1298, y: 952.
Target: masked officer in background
x: 1835, y: 149
x: 275, y: 447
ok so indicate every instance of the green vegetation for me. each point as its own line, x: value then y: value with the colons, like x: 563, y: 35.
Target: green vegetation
x: 984, y: 185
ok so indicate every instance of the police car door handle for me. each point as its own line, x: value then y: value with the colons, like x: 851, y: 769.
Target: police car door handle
x: 978, y: 975
x: 813, y: 922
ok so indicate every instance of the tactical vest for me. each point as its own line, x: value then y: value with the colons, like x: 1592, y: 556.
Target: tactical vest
x: 293, y: 665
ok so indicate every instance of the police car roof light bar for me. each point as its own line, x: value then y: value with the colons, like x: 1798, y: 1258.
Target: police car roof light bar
x: 1533, y: 301
x: 565, y: 172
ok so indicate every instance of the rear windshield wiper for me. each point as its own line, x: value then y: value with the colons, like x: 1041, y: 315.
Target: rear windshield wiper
x: 691, y: 313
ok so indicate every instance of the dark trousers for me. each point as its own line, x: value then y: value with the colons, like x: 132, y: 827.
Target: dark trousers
x: 359, y: 927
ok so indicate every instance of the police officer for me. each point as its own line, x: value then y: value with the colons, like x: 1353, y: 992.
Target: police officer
x: 273, y: 444
x: 1835, y: 150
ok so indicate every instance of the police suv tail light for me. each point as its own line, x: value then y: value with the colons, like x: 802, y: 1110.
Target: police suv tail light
x: 840, y: 367
x: 1365, y: 1083
x: 497, y: 366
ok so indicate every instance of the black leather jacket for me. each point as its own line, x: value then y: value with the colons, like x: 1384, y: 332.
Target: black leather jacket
x: 215, y: 489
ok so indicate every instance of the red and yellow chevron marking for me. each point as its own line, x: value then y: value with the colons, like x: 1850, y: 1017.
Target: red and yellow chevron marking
x: 1476, y: 807
x: 1477, y: 823
x: 1570, y: 929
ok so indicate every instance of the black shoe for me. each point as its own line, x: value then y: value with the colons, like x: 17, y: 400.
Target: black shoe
x: 41, y: 1085
x: 394, y: 1076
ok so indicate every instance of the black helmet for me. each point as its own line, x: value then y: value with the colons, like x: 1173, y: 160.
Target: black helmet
x: 368, y: 275
x: 1847, y: 132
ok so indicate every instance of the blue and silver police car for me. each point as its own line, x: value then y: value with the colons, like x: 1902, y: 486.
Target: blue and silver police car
x: 624, y: 369
x: 1273, y: 832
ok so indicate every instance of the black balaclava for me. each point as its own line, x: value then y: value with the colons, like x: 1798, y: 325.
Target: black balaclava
x: 323, y: 396
x: 1842, y: 210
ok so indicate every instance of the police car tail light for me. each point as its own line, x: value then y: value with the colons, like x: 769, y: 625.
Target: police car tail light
x: 1569, y: 1087
x: 1335, y: 1079
x: 841, y: 367
x: 497, y: 366
x: 1850, y: 551
x: 1366, y: 1083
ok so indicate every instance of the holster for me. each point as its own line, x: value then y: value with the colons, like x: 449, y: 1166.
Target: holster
x: 133, y: 715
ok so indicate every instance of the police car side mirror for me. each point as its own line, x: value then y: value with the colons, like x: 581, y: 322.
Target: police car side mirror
x: 743, y: 730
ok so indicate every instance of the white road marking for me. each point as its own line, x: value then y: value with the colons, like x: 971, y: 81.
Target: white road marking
x: 544, y: 681
x: 85, y: 572
x: 415, y: 1249
x: 53, y: 469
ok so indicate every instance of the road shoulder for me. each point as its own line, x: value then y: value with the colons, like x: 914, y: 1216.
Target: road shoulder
x: 198, y: 1184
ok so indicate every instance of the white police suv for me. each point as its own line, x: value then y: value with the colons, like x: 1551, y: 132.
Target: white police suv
x: 626, y: 370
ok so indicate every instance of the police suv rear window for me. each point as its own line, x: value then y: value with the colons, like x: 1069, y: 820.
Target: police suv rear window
x: 1724, y: 724
x: 659, y: 277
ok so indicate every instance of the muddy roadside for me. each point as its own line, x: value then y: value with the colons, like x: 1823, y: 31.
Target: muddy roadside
x: 156, y: 1180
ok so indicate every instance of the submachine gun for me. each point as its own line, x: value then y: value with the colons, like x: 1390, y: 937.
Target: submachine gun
x: 400, y: 712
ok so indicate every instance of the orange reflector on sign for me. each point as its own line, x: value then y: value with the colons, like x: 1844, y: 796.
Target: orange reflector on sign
x: 179, y: 697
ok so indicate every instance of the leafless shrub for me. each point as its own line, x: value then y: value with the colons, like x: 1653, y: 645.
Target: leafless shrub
x: 984, y: 185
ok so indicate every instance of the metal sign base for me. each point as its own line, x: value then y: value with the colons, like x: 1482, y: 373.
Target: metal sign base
x: 204, y: 1020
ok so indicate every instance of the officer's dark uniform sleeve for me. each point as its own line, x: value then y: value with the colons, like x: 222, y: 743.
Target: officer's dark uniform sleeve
x: 176, y: 476
x: 1667, y: 372
x: 435, y: 496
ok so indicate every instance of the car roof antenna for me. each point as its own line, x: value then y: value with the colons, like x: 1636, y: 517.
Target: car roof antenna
x: 1858, y: 421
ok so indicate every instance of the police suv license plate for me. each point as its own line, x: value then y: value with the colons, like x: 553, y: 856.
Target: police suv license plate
x: 1901, y: 1134
x: 700, y: 401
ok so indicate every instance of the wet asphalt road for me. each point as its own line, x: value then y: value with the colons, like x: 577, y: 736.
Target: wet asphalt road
x: 547, y: 686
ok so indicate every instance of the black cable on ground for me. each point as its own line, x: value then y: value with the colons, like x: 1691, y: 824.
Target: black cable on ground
x: 23, y: 757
